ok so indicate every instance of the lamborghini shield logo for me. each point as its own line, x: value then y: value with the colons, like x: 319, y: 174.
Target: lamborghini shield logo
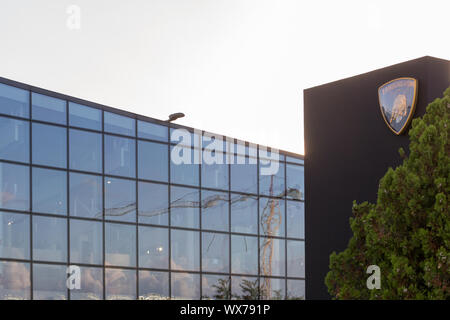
x: 397, y: 102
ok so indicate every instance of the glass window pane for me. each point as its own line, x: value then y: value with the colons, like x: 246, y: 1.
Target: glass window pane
x: 244, y: 254
x: 272, y: 217
x: 215, y: 252
x: 120, y: 284
x: 14, y: 101
x: 120, y: 246
x: 153, y: 203
x: 120, y: 156
x: 216, y: 287
x: 153, y: 247
x: 119, y: 124
x: 245, y: 288
x: 185, y: 286
x: 14, y: 235
x: 85, y: 117
x: 86, y: 238
x: 244, y: 214
x: 85, y: 150
x: 120, y: 199
x: 295, y: 289
x: 295, y: 219
x: 153, y: 161
x: 296, y: 258
x: 185, y: 250
x: 185, y: 172
x: 152, y: 131
x: 49, y: 282
x: 91, y: 286
x: 295, y: 182
x: 272, y: 257
x: 86, y: 197
x: 14, y: 140
x: 47, y: 108
x: 49, y: 191
x: 153, y: 285
x: 49, y: 145
x: 184, y: 207
x: 295, y: 160
x: 215, y: 176
x: 14, y: 280
x: 215, y: 210
x: 272, y: 185
x: 272, y: 288
x: 49, y: 239
x: 244, y: 177
x: 14, y: 186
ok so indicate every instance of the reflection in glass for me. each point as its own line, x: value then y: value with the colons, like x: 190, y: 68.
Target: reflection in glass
x: 49, y: 239
x: 15, y: 140
x: 272, y: 288
x: 14, y: 235
x: 153, y: 285
x: 184, y: 207
x: 272, y: 257
x: 49, y: 282
x: 14, y: 101
x: 296, y: 258
x: 120, y: 245
x: 49, y: 191
x: 153, y: 203
x: 152, y: 131
x: 14, y: 186
x: 215, y: 252
x: 244, y: 254
x: 295, y: 289
x: 153, y: 161
x: 244, y: 213
x: 49, y: 145
x: 91, y: 286
x: 185, y: 172
x: 153, y: 247
x: 244, y: 177
x: 185, y: 248
x: 295, y: 160
x: 244, y: 288
x: 120, y: 155
x: 85, y: 150
x: 86, y: 198
x: 185, y: 286
x: 295, y: 183
x: 215, y: 210
x: 272, y: 185
x: 120, y: 284
x: 47, y: 108
x: 295, y: 219
x: 14, y: 280
x: 216, y: 287
x: 215, y: 175
x: 272, y: 217
x: 86, y: 239
x: 120, y: 199
x: 84, y: 116
x: 119, y: 124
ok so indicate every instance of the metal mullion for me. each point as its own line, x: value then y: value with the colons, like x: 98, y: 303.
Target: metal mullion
x: 258, y: 229
x: 200, y: 166
x: 31, y: 196
x: 103, y: 209
x: 285, y: 230
x: 169, y: 187
x: 67, y: 193
x: 137, y: 209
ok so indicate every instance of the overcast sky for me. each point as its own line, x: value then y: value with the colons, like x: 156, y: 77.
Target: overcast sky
x: 234, y: 67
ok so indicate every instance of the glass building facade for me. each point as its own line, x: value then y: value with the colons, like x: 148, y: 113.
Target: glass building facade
x: 97, y: 188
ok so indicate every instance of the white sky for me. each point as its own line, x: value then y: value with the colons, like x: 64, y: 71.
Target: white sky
x: 234, y: 67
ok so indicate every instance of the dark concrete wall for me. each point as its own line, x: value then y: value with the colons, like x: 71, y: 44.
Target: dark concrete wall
x: 348, y: 148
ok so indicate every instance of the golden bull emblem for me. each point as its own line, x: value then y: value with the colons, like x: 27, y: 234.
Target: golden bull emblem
x: 397, y: 102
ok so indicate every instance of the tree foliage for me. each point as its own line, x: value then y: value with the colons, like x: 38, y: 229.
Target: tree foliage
x: 407, y: 231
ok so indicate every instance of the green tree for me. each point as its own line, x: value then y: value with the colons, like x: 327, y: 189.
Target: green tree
x: 407, y: 231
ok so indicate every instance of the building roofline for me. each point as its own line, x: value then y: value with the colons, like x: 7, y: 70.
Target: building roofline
x: 129, y: 114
